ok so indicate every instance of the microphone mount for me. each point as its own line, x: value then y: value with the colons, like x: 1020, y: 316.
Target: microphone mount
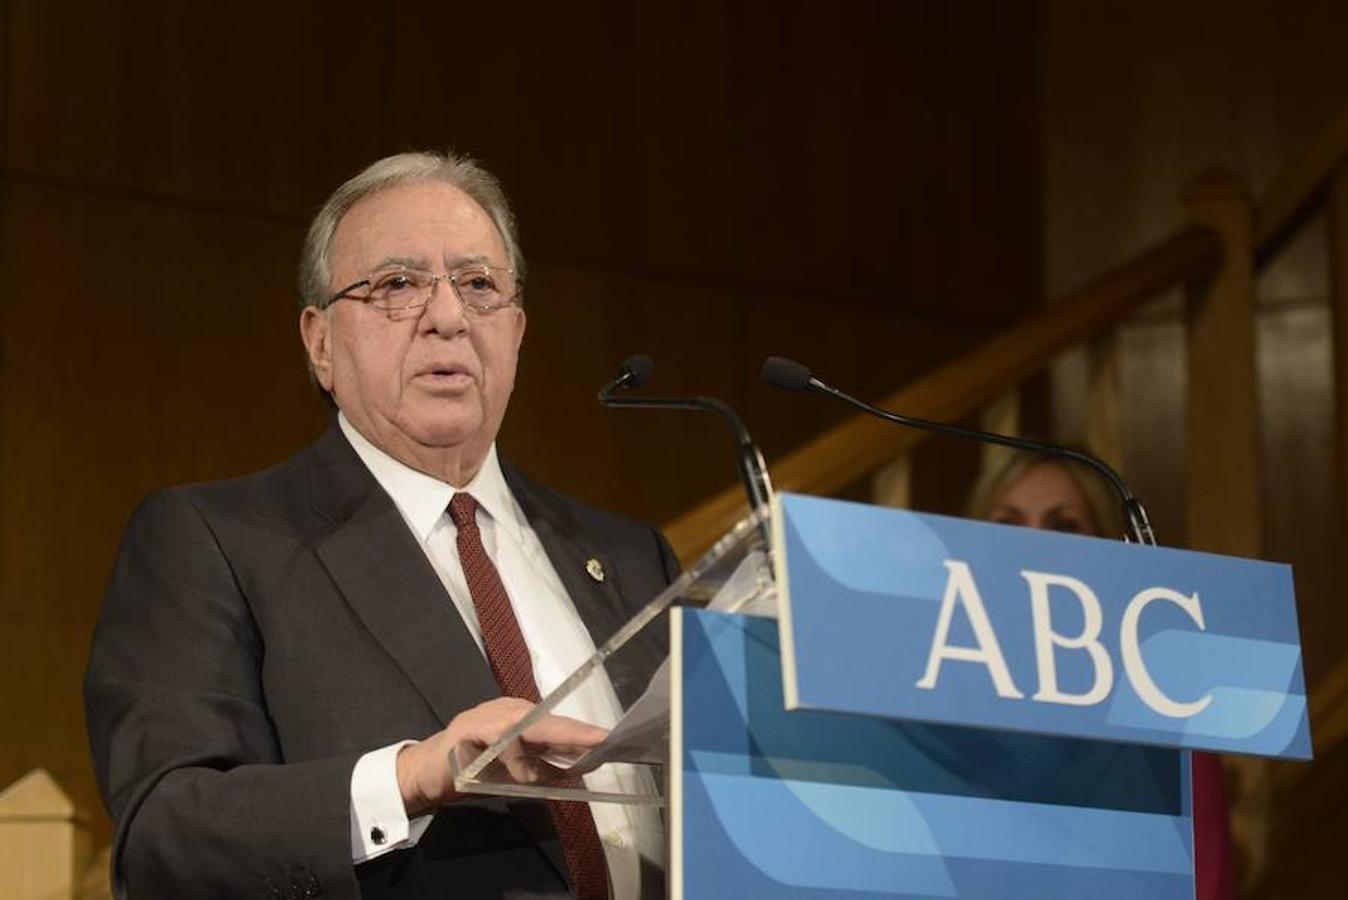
x: 636, y: 370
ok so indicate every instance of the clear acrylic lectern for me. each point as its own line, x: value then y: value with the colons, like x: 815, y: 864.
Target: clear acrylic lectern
x: 736, y: 576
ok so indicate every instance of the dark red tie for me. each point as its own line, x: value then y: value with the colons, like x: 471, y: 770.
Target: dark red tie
x: 509, y: 658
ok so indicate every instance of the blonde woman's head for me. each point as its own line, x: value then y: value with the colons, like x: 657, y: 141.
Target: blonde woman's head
x: 1041, y: 491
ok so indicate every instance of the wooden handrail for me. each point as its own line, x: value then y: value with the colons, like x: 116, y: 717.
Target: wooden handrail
x: 1298, y: 191
x: 841, y: 455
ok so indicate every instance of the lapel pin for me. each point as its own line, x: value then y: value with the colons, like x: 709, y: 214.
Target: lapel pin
x: 595, y: 569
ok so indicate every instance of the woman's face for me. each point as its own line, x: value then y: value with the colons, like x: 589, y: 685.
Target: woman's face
x: 1045, y: 496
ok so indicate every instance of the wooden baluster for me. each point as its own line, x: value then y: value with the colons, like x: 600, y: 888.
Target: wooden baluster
x: 45, y: 842
x: 1104, y: 413
x: 892, y: 483
x: 1222, y: 472
x: 1001, y: 416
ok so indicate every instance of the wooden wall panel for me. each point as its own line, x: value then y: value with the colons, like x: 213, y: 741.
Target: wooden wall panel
x: 245, y: 105
x: 887, y: 152
x: 143, y: 345
x: 1295, y: 394
x: 891, y: 148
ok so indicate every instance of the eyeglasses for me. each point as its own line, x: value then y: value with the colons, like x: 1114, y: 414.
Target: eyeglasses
x: 481, y: 288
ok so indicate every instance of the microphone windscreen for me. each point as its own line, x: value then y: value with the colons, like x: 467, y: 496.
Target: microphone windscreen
x: 786, y: 373
x: 640, y: 368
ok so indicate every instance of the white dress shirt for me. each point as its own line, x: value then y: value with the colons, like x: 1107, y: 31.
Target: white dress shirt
x: 558, y: 643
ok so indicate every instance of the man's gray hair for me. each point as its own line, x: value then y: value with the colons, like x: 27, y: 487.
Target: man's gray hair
x: 403, y: 168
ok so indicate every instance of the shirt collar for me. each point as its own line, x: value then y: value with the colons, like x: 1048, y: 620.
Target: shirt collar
x: 423, y: 498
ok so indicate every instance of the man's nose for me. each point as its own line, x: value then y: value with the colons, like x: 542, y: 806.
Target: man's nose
x: 444, y: 311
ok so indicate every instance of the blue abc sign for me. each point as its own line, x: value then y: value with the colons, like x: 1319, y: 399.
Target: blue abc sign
x: 911, y: 616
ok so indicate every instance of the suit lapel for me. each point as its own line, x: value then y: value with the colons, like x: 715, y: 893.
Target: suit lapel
x: 599, y: 604
x: 385, y: 577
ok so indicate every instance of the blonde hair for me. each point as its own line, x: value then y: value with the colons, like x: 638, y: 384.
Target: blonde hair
x: 1008, y: 466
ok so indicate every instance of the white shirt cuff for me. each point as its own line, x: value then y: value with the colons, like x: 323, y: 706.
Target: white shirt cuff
x: 378, y: 818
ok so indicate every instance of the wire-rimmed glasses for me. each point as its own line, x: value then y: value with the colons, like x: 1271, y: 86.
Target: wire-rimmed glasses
x: 399, y: 289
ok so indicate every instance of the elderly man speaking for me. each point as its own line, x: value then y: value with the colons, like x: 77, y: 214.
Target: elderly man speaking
x: 285, y: 660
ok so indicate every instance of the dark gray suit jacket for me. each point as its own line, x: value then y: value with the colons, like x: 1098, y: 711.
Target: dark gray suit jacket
x: 260, y: 634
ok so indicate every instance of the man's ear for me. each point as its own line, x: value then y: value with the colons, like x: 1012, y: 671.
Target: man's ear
x: 519, y: 335
x: 316, y: 332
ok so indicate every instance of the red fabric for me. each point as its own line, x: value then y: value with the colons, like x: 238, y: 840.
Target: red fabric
x: 1214, y: 864
x: 509, y: 658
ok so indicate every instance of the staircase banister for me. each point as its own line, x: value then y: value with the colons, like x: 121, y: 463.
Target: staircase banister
x: 860, y: 443
x: 1298, y: 191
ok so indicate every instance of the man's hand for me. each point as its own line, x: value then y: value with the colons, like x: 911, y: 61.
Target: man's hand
x: 424, y: 776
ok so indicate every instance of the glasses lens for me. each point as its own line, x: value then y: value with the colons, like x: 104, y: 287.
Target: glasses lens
x: 481, y: 287
x: 400, y: 288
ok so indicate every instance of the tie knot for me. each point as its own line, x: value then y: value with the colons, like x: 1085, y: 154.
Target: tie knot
x: 463, y: 510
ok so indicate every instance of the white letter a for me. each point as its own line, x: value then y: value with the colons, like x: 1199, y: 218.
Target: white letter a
x: 960, y: 588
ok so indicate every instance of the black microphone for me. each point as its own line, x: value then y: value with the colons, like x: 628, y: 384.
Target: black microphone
x: 792, y: 376
x: 636, y: 370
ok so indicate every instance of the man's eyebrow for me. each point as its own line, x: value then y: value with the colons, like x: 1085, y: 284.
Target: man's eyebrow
x: 407, y: 262
x: 458, y: 262
x: 420, y: 262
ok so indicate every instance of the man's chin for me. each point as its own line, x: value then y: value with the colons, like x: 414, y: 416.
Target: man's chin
x: 446, y: 432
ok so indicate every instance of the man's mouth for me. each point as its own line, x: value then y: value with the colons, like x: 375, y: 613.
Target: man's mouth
x: 447, y: 376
